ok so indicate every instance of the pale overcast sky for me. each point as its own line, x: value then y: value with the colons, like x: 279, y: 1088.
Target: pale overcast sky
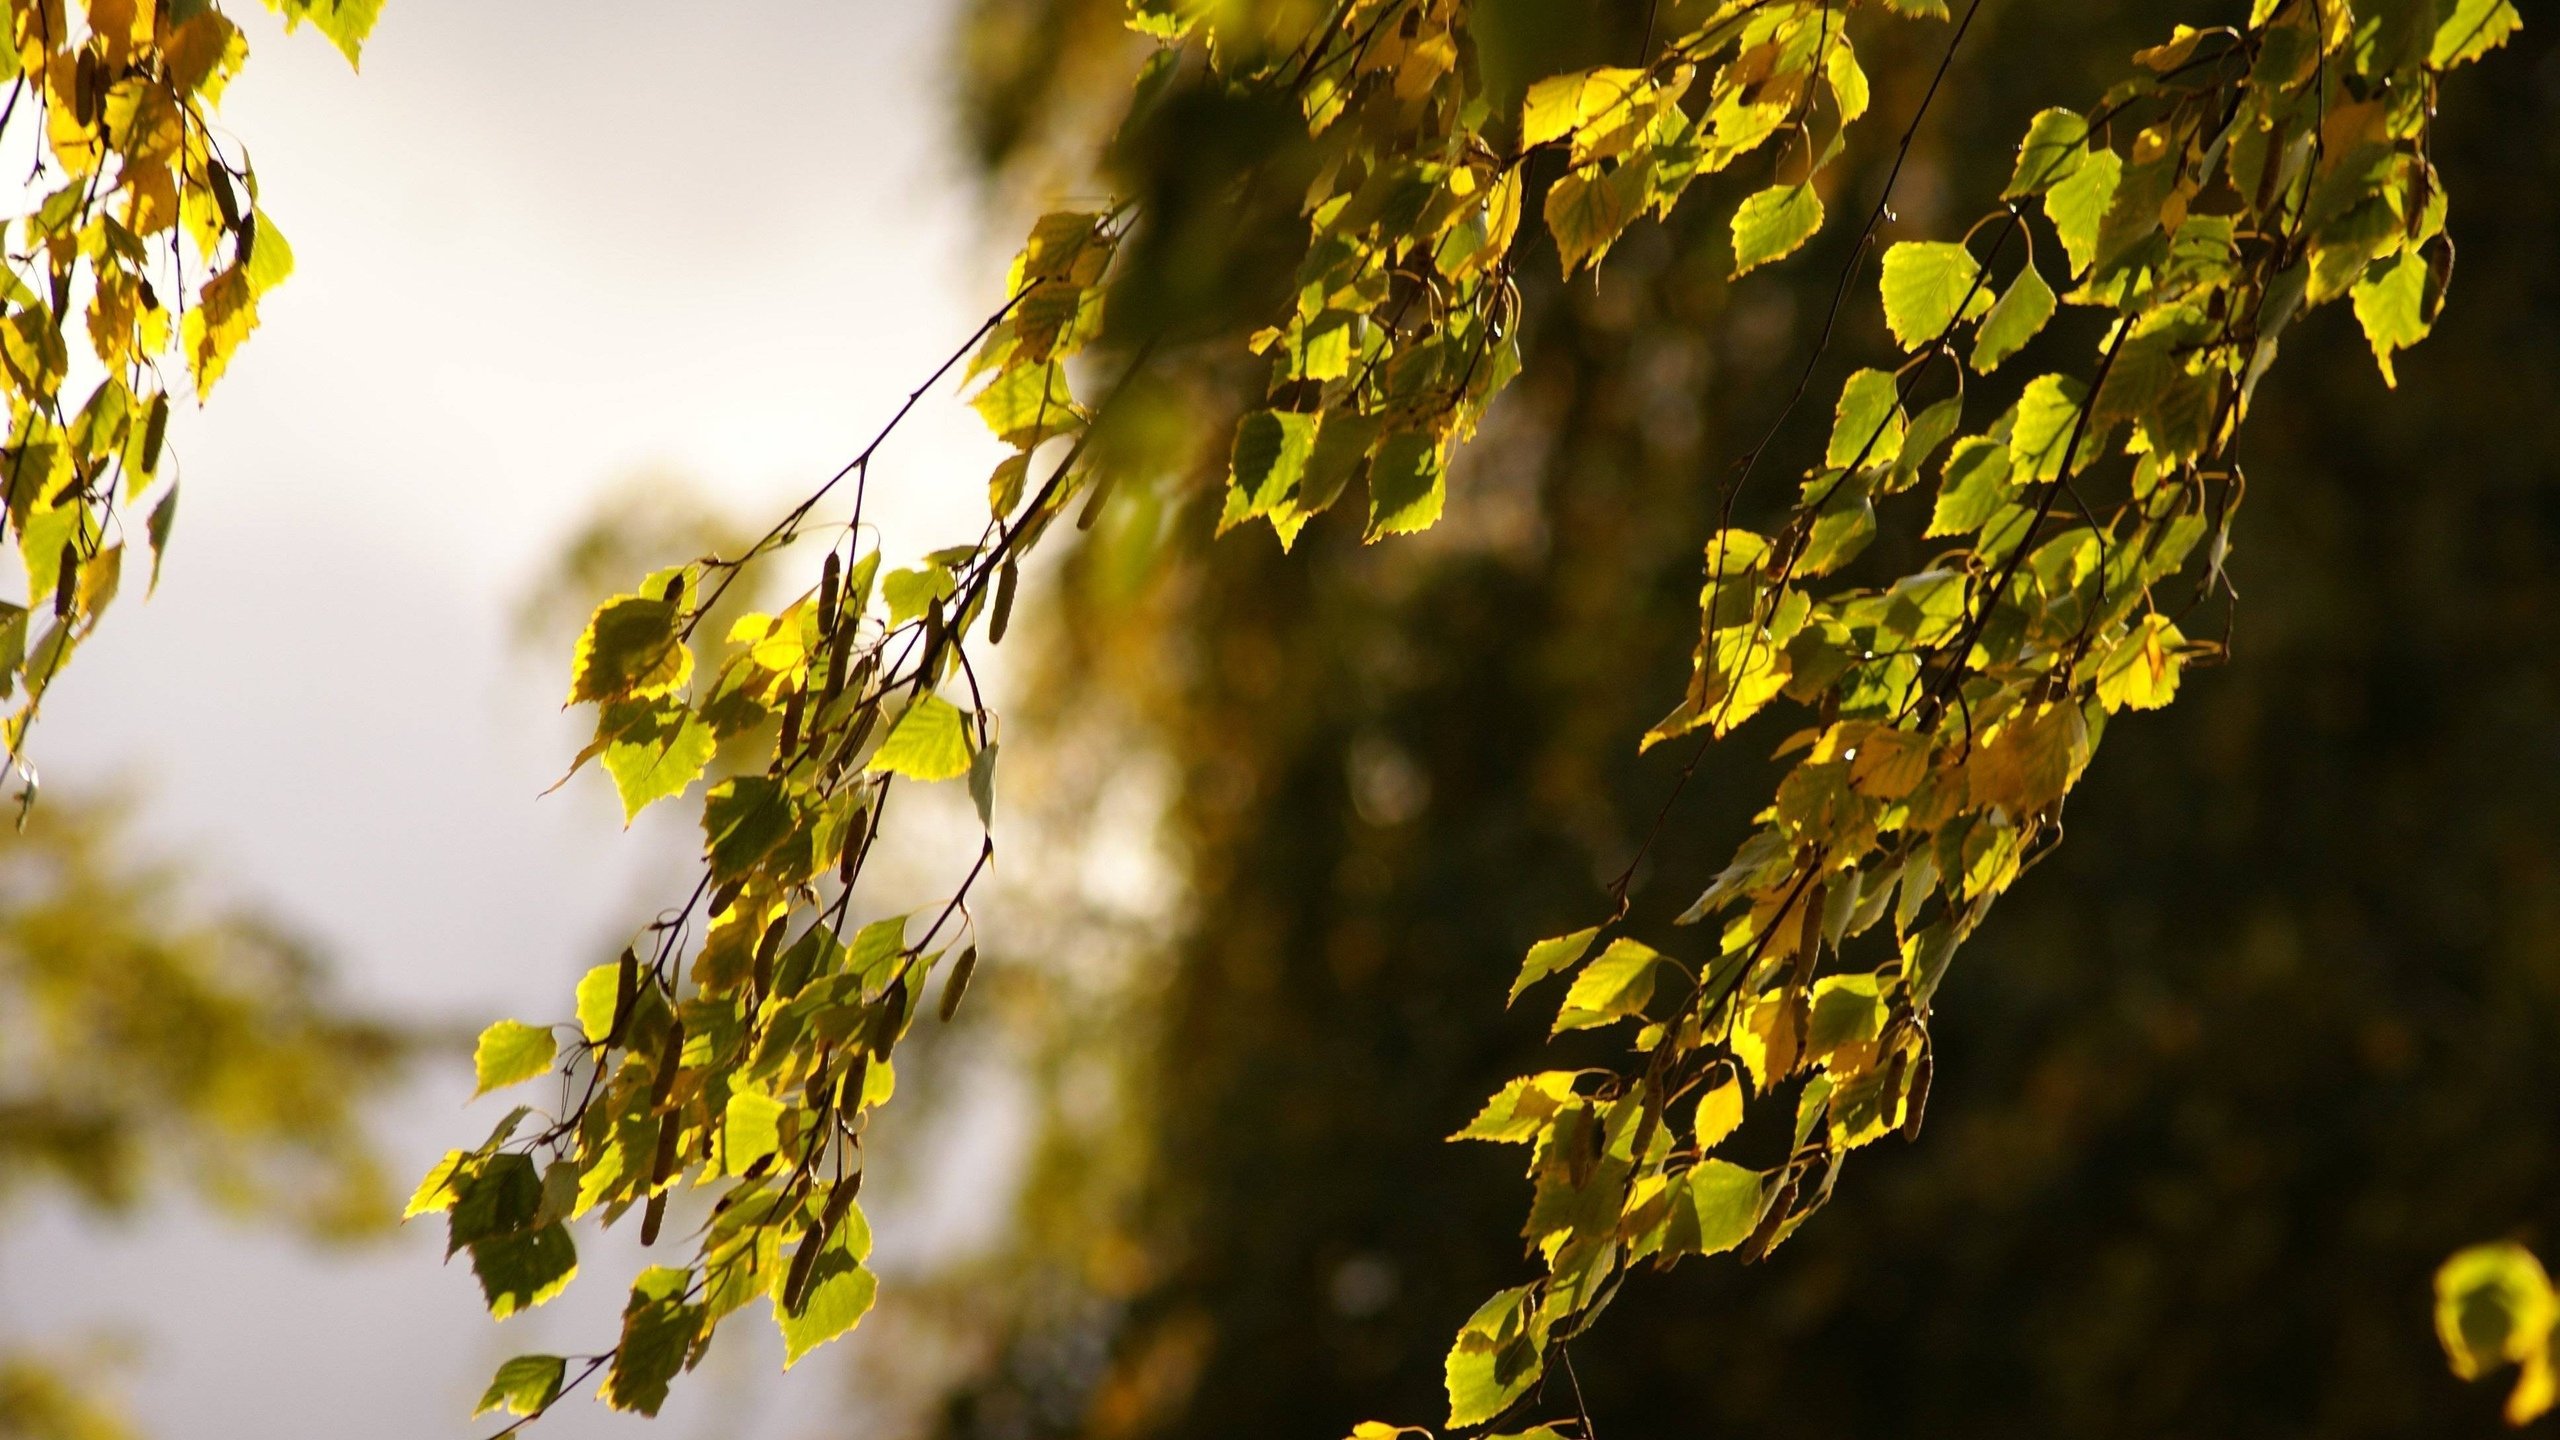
x: 541, y: 244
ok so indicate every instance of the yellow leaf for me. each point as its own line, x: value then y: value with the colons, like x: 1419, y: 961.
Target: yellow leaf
x: 1719, y: 1115
x: 2141, y: 669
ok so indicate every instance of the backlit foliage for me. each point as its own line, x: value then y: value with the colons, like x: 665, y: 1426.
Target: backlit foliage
x: 138, y: 239
x: 2495, y: 1308
x: 2071, y: 373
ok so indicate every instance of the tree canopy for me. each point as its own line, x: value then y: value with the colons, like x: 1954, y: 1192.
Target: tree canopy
x: 1339, y: 190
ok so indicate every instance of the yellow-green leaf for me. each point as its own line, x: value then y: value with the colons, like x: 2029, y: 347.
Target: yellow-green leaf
x: 629, y: 648
x: 1611, y: 988
x: 2057, y: 142
x: 2141, y: 671
x: 837, y: 1295
x: 1499, y: 1354
x: 524, y: 1385
x: 930, y: 742
x: 1549, y: 956
x: 512, y: 1052
x: 1972, y: 486
x: 658, y: 1334
x: 1773, y: 225
x: 1727, y: 1199
x: 522, y: 1270
x: 1867, y: 424
x: 436, y: 1192
x: 657, y: 747
x: 1587, y: 212
x: 1928, y: 286
x: 1270, y: 456
x: 2079, y: 202
x: 345, y: 22
x: 2475, y: 28
x: 2390, y: 304
x: 1407, y: 485
x: 599, y: 994
x: 1521, y: 1109
x: 1719, y: 1114
x: 750, y: 1128
x: 2015, y: 320
x: 2048, y: 416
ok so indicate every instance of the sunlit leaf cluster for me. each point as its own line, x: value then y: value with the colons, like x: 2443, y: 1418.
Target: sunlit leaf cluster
x: 139, y: 239
x: 2054, y: 428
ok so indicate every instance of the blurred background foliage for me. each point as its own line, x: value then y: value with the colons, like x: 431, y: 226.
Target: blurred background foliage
x: 2220, y: 1084
x: 149, y: 1048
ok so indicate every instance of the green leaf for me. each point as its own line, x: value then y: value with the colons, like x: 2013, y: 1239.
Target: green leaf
x: 930, y: 742
x: 743, y: 819
x: 345, y: 22
x: 497, y: 1195
x: 1867, y: 425
x: 982, y: 786
x: 1270, y: 457
x: 1611, y: 988
x: 2056, y: 144
x: 1727, y: 1199
x: 1549, y: 956
x: 2475, y: 28
x: 13, y: 645
x: 838, y: 1294
x: 2048, y: 413
x: 510, y: 1053
x: 524, y: 1385
x: 520, y: 1271
x: 1005, y: 483
x: 2079, y: 203
x: 1499, y: 1354
x: 1551, y: 109
x: 1773, y: 225
x: 2141, y: 671
x: 1929, y: 431
x: 2021, y: 313
x: 658, y: 1334
x: 629, y: 648
x: 1972, y: 487
x: 2390, y: 304
x: 1029, y: 403
x: 1845, y: 1011
x: 270, y: 260
x: 599, y: 993
x: 164, y: 519
x: 1844, y: 521
x: 1928, y: 286
x: 750, y: 1128
x: 658, y: 747
x: 1520, y: 1110
x: 1587, y: 212
x: 1406, y: 485
x: 1847, y: 78
x: 1342, y: 442
x: 436, y: 1191
x: 908, y: 592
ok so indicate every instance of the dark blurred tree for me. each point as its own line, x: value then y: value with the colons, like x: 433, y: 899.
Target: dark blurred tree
x: 2219, y: 1086
x: 147, y: 1046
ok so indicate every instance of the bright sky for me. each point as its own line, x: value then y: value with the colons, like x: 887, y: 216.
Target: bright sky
x: 540, y: 245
